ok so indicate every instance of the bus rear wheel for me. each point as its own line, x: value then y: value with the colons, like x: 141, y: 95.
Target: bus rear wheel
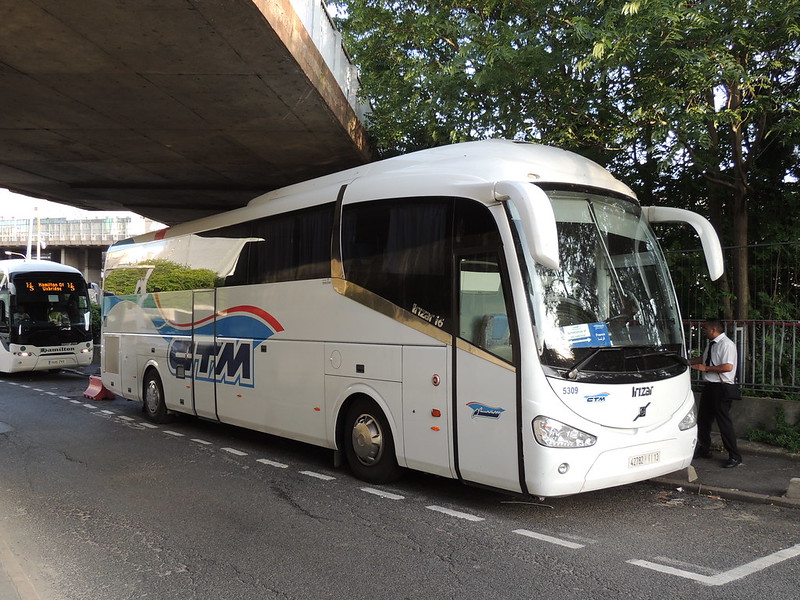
x: 368, y: 443
x: 153, y: 405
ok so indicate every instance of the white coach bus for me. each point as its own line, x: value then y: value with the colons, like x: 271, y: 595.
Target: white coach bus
x: 45, y: 317
x: 496, y: 312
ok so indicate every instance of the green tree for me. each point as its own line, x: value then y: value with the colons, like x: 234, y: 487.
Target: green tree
x: 717, y: 85
x: 663, y: 92
x: 447, y: 72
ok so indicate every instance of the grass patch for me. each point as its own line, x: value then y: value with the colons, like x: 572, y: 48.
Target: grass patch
x: 785, y: 435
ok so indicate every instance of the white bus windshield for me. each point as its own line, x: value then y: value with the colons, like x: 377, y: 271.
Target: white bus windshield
x: 610, y: 307
x: 49, y: 309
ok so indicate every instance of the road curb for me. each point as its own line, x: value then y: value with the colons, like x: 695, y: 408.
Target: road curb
x: 728, y: 493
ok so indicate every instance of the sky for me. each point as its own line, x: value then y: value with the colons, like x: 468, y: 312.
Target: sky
x: 17, y: 206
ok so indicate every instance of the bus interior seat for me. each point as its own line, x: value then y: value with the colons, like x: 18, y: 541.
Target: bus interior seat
x: 495, y: 335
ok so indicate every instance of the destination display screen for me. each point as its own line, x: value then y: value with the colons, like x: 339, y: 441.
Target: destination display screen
x: 50, y: 286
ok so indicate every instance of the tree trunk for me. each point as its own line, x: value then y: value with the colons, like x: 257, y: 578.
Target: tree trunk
x: 741, y: 262
x: 715, y: 203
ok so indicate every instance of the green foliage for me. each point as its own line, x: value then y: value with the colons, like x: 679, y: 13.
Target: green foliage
x: 443, y: 73
x: 161, y: 276
x: 693, y: 104
x: 785, y: 435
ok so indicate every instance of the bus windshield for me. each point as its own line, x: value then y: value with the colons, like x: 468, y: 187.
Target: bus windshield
x: 50, y: 309
x: 609, y: 311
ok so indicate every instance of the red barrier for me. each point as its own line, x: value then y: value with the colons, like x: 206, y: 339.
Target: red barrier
x: 97, y: 391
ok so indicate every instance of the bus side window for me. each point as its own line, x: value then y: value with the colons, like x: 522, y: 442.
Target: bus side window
x: 295, y: 246
x: 401, y: 250
x: 483, y: 316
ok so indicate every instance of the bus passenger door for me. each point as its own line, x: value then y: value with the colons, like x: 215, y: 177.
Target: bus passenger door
x: 485, y: 403
x: 204, y: 360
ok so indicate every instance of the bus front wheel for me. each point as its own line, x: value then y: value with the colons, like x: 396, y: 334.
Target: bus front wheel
x: 153, y: 406
x: 368, y: 443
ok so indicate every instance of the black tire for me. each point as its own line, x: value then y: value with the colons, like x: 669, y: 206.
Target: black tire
x: 368, y: 443
x: 153, y: 404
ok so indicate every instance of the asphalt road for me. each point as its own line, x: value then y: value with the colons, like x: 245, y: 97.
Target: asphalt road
x: 96, y: 503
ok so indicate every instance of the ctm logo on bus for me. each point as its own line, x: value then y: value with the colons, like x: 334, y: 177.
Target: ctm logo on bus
x: 223, y: 362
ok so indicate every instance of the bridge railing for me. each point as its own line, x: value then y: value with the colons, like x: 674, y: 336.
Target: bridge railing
x: 66, y: 232
x: 328, y: 40
x: 768, y: 352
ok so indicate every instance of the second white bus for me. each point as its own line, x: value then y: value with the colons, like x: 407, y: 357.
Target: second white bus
x: 45, y: 317
x: 496, y: 312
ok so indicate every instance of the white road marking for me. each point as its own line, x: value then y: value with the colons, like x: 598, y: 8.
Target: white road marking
x: 383, y: 494
x: 726, y: 576
x: 38, y: 390
x: 272, y: 463
x: 318, y: 475
x: 718, y: 579
x: 548, y: 538
x: 454, y: 513
x: 51, y: 393
x: 235, y: 451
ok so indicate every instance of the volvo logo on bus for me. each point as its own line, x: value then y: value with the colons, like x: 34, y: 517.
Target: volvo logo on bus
x: 224, y: 362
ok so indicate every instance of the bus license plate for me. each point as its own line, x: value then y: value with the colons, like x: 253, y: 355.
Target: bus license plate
x: 641, y: 460
x: 57, y: 361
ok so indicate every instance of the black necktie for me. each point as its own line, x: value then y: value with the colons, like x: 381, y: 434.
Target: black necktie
x: 708, y: 355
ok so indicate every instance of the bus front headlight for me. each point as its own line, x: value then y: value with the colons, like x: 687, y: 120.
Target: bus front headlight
x: 555, y: 434
x: 689, y: 421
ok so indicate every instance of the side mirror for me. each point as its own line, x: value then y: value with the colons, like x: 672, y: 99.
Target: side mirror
x: 704, y: 229
x: 538, y: 219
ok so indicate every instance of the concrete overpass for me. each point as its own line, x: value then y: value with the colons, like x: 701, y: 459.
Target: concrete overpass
x: 172, y: 109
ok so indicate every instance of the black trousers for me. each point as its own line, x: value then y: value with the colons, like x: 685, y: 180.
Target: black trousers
x: 715, y: 405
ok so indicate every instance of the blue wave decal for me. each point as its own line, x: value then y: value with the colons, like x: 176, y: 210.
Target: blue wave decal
x: 482, y: 410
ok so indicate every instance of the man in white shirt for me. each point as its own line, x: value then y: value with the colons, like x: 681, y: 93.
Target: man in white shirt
x: 718, y: 365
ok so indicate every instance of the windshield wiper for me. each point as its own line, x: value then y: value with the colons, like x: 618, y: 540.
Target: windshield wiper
x: 667, y: 354
x: 572, y: 372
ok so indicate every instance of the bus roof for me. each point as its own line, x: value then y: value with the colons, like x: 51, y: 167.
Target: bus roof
x: 19, y: 265
x: 486, y: 160
x: 437, y: 171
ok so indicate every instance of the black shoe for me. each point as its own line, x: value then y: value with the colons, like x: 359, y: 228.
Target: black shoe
x: 702, y: 453
x: 732, y: 462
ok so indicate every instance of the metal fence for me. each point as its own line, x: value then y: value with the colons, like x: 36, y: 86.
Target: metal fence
x: 774, y: 281
x: 768, y: 352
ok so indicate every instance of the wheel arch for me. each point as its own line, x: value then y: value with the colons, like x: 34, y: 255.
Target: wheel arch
x: 149, y: 365
x: 360, y: 391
